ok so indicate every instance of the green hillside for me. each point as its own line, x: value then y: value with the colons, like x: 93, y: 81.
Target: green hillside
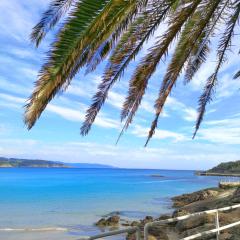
x: 228, y: 167
x: 18, y: 163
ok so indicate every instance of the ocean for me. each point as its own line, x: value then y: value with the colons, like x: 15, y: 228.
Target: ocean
x: 64, y: 203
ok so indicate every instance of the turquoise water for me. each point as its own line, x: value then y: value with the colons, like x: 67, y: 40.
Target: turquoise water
x: 64, y: 203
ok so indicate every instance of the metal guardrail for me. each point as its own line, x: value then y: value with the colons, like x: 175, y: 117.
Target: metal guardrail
x: 116, y: 232
x: 216, y: 230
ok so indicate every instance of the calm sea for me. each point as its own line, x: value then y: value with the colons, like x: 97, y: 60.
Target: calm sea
x: 64, y: 203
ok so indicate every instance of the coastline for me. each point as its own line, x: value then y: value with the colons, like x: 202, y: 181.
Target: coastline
x: 184, y: 204
x: 86, y: 195
x: 206, y: 173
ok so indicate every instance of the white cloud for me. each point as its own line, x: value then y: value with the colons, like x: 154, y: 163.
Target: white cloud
x: 187, y: 113
x: 8, y: 85
x: 11, y: 98
x: 17, y: 19
x: 78, y: 115
x: 225, y: 131
x: 228, y: 87
x: 140, y: 131
x: 174, y: 156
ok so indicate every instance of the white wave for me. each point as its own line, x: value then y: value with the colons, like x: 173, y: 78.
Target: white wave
x: 47, y: 229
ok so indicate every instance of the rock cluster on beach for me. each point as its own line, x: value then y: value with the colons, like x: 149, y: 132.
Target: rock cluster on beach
x: 190, y: 203
x: 108, y: 222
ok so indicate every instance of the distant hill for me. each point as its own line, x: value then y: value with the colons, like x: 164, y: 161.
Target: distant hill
x: 228, y: 167
x: 18, y: 163
x: 32, y: 163
x: 89, y: 165
x: 223, y: 169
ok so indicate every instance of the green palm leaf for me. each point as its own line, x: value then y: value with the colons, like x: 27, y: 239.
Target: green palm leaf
x: 128, y: 47
x: 147, y: 67
x: 95, y: 28
x: 193, y: 30
x: 89, y: 24
x: 49, y: 19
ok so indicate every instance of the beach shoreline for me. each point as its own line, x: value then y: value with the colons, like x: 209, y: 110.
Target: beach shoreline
x: 184, y: 204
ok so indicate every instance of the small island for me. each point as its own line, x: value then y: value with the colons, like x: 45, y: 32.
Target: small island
x: 231, y: 169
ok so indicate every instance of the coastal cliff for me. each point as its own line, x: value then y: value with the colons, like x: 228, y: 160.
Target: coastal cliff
x: 223, y: 169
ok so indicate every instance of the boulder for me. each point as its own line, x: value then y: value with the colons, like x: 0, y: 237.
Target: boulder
x: 111, y: 221
x: 185, y: 199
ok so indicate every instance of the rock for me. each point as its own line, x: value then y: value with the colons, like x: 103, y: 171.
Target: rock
x: 156, y: 176
x: 147, y: 219
x: 101, y: 222
x: 151, y: 237
x: 135, y: 223
x: 191, y: 223
x: 236, y: 196
x: 199, y: 229
x: 185, y: 199
x: 180, y: 212
x: 163, y: 217
x: 159, y: 232
x: 111, y: 221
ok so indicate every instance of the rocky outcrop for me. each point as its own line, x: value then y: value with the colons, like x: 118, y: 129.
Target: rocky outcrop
x: 108, y: 222
x: 185, y: 199
x: 186, y: 204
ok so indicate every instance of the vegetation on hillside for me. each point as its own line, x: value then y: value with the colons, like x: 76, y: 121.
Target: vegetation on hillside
x: 228, y: 167
x: 13, y: 162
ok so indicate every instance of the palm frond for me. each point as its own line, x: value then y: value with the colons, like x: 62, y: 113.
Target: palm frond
x: 237, y: 75
x: 95, y: 28
x: 87, y: 22
x: 225, y: 44
x: 128, y: 47
x: 199, y: 54
x: 196, y: 60
x: 49, y: 19
x: 193, y: 30
x: 147, y: 67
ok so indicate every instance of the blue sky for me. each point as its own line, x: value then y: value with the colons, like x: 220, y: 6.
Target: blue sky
x: 56, y: 135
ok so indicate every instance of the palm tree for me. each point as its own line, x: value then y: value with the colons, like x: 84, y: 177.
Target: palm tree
x: 93, y: 29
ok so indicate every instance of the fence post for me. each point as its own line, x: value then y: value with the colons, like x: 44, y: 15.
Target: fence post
x: 217, y: 225
x: 146, y: 231
x: 138, y: 234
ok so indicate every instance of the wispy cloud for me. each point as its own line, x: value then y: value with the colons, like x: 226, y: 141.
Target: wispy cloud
x: 225, y: 131
x: 79, y: 115
x: 140, y: 131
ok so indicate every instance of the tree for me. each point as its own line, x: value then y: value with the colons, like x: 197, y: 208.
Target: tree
x: 94, y: 29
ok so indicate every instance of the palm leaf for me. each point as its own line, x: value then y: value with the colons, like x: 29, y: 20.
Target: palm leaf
x: 127, y: 48
x: 70, y: 50
x: 147, y: 67
x: 225, y: 44
x: 49, y: 19
x: 237, y: 75
x: 193, y: 30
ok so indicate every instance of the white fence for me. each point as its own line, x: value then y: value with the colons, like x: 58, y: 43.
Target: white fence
x: 216, y: 230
